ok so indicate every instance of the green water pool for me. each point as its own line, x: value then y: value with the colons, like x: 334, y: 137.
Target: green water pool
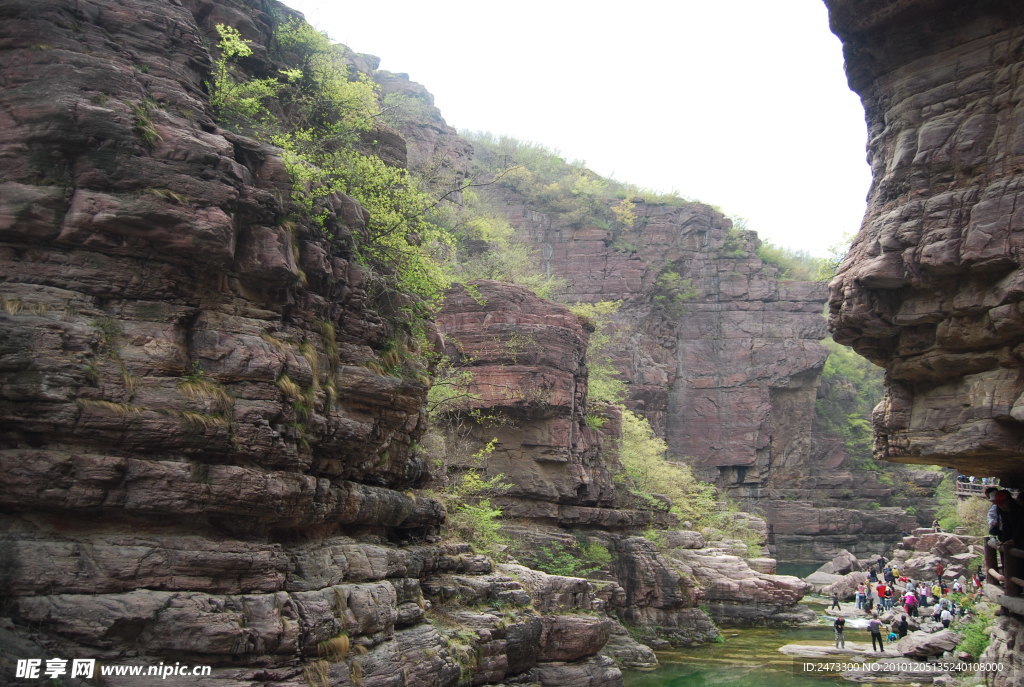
x: 747, y: 658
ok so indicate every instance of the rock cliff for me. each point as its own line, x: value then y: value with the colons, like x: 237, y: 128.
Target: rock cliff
x: 729, y: 372
x: 527, y: 391
x: 930, y: 288
x: 209, y: 457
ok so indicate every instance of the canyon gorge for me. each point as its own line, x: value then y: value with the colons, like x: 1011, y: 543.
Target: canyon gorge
x: 214, y: 425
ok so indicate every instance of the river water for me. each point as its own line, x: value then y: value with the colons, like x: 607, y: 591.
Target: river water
x: 750, y: 658
x: 747, y: 658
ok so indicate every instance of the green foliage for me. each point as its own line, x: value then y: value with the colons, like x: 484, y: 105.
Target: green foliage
x: 849, y: 390
x: 557, y: 559
x: 320, y: 113
x: 471, y: 515
x: 449, y: 387
x: 671, y: 292
x: 793, y: 265
x: 479, y: 523
x: 402, y: 110
x: 237, y: 102
x: 650, y: 474
x: 596, y: 553
x: 735, y: 244
x: 829, y: 266
x: 575, y: 193
x: 604, y: 383
x: 324, y: 95
x: 976, y: 635
x: 625, y: 213
x: 945, y: 495
x: 972, y: 514
x: 486, y: 247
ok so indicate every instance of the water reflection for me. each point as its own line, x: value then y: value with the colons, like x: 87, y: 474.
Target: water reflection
x: 748, y: 658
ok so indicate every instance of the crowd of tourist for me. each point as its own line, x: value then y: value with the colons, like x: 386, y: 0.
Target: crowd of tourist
x: 885, y: 587
x: 883, y: 591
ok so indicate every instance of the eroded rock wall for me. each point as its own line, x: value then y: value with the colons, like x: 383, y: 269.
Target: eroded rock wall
x: 729, y: 377
x: 527, y: 391
x: 203, y: 460
x: 931, y: 287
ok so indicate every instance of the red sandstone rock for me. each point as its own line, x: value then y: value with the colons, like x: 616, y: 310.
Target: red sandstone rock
x: 930, y: 287
x: 200, y: 459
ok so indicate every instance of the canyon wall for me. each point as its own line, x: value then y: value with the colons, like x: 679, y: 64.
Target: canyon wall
x: 208, y: 454
x: 728, y: 375
x: 931, y: 288
x: 526, y: 390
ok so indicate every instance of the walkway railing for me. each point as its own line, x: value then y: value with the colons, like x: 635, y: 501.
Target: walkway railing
x: 969, y: 489
x: 1006, y: 584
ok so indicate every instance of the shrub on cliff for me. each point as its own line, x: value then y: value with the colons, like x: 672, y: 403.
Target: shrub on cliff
x: 849, y: 390
x: 318, y: 112
x: 651, y: 475
x: 604, y: 383
x: 976, y: 634
x: 576, y: 194
x: 793, y: 265
x: 466, y: 493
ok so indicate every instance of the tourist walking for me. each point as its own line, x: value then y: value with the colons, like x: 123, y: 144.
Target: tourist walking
x: 835, y: 600
x: 875, y: 628
x: 839, y: 625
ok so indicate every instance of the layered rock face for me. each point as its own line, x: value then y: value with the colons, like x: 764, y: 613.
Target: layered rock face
x: 730, y: 378
x: 930, y: 289
x: 833, y: 506
x: 526, y: 359
x: 203, y: 462
x: 527, y: 392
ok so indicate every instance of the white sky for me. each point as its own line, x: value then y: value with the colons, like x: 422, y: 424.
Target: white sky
x: 742, y: 104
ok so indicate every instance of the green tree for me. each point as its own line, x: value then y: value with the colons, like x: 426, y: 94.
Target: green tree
x: 604, y: 382
x: 238, y: 102
x: 850, y: 388
x: 651, y: 474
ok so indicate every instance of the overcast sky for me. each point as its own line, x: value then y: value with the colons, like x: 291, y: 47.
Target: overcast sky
x: 742, y: 104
